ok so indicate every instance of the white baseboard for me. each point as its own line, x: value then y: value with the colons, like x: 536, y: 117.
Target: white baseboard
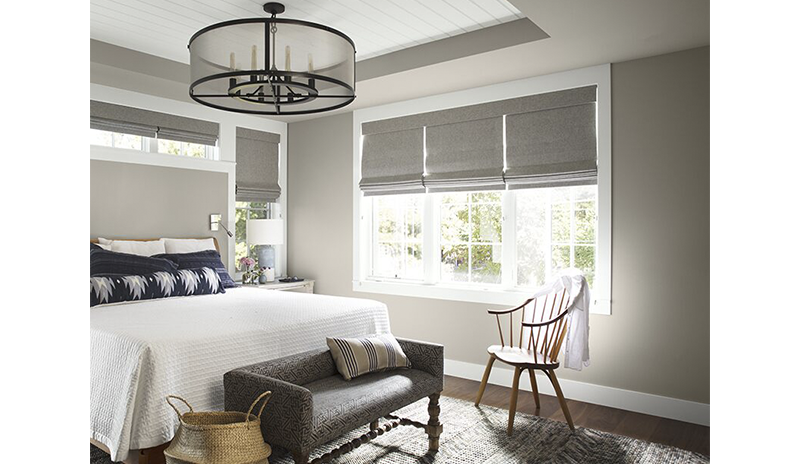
x: 645, y: 403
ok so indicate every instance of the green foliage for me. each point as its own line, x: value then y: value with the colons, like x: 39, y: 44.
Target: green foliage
x: 472, y: 231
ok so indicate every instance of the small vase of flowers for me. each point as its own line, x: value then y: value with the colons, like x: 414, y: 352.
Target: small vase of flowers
x: 250, y: 276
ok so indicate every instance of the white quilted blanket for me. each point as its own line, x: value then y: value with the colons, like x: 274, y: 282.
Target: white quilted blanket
x: 143, y: 351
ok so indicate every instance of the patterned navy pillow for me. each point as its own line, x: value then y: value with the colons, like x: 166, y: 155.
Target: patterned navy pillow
x: 105, y: 262
x: 162, y: 284
x: 205, y: 258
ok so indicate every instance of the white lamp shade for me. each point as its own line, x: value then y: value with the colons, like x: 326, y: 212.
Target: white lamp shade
x: 265, y: 231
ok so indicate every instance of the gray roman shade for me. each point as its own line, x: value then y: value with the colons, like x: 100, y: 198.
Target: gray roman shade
x: 555, y: 145
x: 136, y: 121
x: 257, y: 166
x: 465, y: 155
x: 391, y: 161
x: 550, y: 140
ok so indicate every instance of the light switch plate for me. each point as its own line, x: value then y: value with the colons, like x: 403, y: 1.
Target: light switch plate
x: 215, y: 220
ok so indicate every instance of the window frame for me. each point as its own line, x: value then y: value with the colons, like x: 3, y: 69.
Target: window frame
x: 505, y: 293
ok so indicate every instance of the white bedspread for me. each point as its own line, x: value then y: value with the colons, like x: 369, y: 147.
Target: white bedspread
x: 143, y: 351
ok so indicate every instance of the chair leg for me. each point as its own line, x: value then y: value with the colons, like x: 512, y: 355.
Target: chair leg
x: 434, y: 428
x: 512, y: 408
x: 534, y: 388
x: 552, y: 376
x: 485, y: 379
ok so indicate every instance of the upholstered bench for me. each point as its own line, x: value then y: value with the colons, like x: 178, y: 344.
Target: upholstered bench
x: 312, y: 404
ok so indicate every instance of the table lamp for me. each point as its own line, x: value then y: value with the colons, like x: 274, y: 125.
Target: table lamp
x: 265, y: 233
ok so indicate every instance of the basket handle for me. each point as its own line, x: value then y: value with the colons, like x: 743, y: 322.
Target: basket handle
x: 180, y: 416
x: 266, y: 395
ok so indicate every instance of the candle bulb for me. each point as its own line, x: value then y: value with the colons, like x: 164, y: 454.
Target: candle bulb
x: 253, y: 58
x: 310, y: 63
x: 233, y: 61
x: 288, y: 58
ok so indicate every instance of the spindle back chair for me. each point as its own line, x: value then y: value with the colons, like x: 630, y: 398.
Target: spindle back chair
x: 543, y: 322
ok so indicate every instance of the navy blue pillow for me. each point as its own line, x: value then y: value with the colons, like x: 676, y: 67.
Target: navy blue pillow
x: 106, y: 262
x: 205, y: 258
x: 162, y: 284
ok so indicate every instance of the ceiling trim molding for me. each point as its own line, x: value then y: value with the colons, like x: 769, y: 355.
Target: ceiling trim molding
x: 471, y: 43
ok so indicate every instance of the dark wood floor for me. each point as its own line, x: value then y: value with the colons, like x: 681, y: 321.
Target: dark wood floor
x: 683, y: 435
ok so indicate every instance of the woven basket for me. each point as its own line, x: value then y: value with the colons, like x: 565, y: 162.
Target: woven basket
x: 218, y: 437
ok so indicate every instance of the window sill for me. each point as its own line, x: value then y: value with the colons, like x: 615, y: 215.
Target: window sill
x: 486, y: 295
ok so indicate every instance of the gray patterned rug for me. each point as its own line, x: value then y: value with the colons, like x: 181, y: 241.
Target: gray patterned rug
x: 478, y: 435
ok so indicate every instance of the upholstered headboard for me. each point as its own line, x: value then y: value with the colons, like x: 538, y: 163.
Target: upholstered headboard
x: 216, y: 243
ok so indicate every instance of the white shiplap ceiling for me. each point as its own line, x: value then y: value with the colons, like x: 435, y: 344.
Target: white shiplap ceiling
x: 163, y: 27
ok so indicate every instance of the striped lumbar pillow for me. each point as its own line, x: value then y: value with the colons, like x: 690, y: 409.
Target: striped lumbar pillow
x: 359, y: 356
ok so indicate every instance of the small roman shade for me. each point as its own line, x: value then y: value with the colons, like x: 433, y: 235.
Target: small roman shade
x: 392, y: 160
x: 466, y: 155
x: 556, y: 143
x: 136, y: 121
x: 257, y: 166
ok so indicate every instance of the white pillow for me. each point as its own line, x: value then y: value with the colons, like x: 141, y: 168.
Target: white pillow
x: 153, y: 247
x: 188, y: 245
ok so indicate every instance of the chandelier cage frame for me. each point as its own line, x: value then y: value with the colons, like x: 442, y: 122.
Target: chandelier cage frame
x: 277, y: 92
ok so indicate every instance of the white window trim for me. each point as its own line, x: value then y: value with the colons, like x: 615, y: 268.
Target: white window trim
x: 601, y: 296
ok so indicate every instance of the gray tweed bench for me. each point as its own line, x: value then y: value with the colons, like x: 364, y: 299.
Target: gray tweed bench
x: 312, y: 404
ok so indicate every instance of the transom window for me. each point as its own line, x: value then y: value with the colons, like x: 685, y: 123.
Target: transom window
x: 151, y: 144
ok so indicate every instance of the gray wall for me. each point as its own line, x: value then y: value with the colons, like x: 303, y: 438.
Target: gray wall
x: 140, y: 201
x: 657, y: 340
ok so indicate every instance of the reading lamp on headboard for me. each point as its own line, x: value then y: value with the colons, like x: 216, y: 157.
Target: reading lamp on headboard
x: 216, y: 220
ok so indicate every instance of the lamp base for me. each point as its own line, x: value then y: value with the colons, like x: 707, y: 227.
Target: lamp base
x: 266, y: 258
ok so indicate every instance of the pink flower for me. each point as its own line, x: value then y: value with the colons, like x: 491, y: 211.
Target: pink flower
x: 247, y: 262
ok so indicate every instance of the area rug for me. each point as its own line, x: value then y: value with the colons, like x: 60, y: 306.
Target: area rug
x: 478, y: 435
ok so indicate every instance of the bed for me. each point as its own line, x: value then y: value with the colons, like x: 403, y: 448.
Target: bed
x: 142, y: 351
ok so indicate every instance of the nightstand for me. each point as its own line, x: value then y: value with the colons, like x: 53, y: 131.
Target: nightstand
x: 306, y: 286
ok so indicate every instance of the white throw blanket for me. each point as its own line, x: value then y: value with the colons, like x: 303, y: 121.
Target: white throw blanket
x: 576, y: 346
x: 143, y: 351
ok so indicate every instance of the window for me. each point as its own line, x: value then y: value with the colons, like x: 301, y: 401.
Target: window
x: 471, y: 236
x: 491, y: 246
x: 549, y: 229
x: 397, y: 234
x: 118, y: 140
x: 555, y: 229
x: 244, y: 212
x: 153, y: 145
x: 173, y: 147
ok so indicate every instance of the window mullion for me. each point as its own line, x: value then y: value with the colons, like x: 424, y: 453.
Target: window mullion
x: 430, y: 239
x: 508, y: 264
x: 572, y: 228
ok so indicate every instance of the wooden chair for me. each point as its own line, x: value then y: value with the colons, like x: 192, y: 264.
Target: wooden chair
x: 542, y: 329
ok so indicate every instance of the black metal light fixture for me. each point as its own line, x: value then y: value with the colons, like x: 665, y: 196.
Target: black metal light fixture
x: 272, y: 66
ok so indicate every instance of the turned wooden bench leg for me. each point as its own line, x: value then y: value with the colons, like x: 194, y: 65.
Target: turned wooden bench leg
x: 373, y: 425
x: 434, y: 429
x: 300, y: 458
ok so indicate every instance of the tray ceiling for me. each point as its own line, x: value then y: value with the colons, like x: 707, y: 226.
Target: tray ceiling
x: 163, y: 27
